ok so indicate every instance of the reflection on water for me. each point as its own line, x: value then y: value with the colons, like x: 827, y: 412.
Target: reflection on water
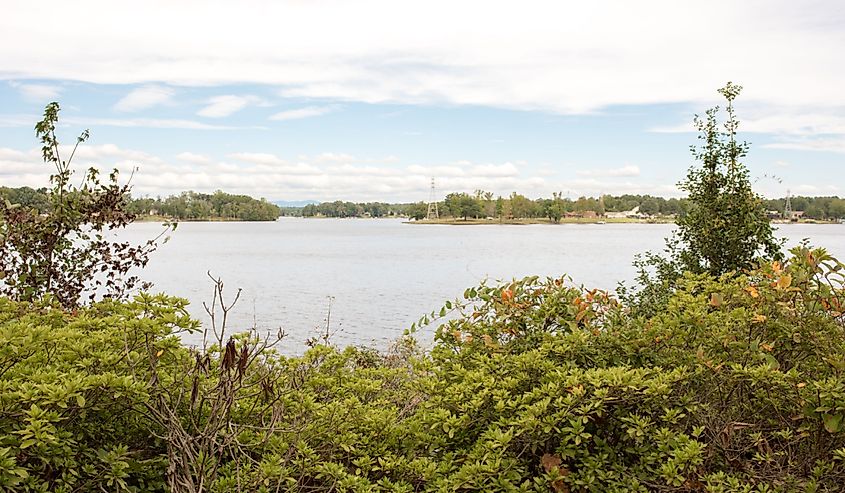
x: 383, y: 275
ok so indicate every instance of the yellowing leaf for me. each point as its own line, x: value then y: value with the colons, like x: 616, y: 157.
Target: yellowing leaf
x: 716, y: 299
x: 752, y: 290
x: 550, y: 462
x: 784, y: 281
x: 759, y: 318
x: 801, y: 385
x: 507, y: 295
x: 577, y: 390
x: 159, y: 353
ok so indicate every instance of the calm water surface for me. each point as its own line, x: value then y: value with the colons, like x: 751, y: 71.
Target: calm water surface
x: 382, y: 275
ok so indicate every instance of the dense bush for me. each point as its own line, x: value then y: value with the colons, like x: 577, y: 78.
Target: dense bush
x: 533, y: 385
x: 59, y: 241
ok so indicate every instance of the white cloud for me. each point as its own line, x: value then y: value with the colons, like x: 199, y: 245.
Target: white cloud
x: 191, y: 157
x: 305, y: 112
x: 834, y: 144
x: 7, y: 154
x: 793, y: 122
x: 335, y: 157
x: 40, y: 93
x: 220, y: 106
x: 556, y: 56
x: 164, y: 123
x: 268, y: 175
x: 792, y: 128
x: 18, y: 120
x: 626, y: 170
x: 274, y: 177
x: 144, y: 97
x: 258, y: 158
x: 781, y: 121
x: 490, y: 170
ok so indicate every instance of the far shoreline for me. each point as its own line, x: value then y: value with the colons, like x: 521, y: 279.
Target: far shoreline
x: 457, y: 222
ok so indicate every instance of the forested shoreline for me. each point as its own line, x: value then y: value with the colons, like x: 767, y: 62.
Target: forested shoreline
x: 194, y: 206
x: 480, y: 205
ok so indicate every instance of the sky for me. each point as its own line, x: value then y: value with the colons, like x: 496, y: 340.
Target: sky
x: 368, y: 100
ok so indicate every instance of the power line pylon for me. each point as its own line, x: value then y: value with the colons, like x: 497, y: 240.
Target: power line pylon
x: 433, y: 213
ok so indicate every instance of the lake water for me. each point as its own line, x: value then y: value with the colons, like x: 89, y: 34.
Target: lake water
x: 382, y: 275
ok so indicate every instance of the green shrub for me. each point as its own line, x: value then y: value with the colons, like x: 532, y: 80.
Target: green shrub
x: 533, y: 385
x: 72, y: 387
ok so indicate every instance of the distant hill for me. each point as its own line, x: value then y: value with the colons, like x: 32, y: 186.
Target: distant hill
x: 295, y: 203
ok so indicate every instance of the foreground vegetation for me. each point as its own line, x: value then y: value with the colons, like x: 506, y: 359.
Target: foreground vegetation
x: 723, y: 370
x: 535, y: 386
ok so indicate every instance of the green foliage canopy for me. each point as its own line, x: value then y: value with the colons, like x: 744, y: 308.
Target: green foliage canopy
x: 725, y: 227
x: 53, y: 242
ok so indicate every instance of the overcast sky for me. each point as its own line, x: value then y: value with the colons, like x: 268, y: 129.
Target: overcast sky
x: 367, y: 100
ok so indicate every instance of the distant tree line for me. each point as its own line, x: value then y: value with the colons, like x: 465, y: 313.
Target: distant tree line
x: 36, y: 198
x: 190, y: 205
x: 813, y: 207
x: 486, y: 204
x: 340, y: 208
x: 481, y: 204
x: 186, y: 206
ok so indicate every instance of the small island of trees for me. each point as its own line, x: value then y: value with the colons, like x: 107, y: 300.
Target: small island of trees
x: 187, y: 206
x: 194, y: 206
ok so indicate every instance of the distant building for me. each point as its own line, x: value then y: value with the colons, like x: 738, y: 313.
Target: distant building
x: 633, y: 213
x: 795, y: 215
x: 774, y: 214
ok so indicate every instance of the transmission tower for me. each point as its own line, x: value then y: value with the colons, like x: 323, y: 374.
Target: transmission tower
x: 787, y: 208
x: 432, y: 204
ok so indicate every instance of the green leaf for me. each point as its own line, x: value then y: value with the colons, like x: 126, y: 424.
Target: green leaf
x: 832, y: 422
x: 771, y: 361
